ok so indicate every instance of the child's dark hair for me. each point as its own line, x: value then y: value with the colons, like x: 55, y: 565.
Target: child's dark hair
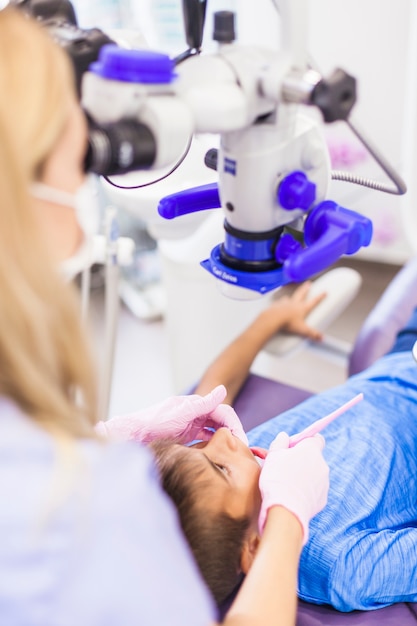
x: 216, y: 539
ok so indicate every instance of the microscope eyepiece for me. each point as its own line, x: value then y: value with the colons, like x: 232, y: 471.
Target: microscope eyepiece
x: 120, y: 147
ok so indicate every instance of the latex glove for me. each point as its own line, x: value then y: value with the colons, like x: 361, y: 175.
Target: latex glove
x: 296, y: 478
x: 180, y: 418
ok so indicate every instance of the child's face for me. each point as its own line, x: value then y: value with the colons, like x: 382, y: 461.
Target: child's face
x: 233, y: 473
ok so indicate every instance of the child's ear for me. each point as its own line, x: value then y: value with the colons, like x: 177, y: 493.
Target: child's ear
x: 249, y: 549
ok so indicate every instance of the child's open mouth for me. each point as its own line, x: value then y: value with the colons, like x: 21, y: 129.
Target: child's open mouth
x: 259, y: 452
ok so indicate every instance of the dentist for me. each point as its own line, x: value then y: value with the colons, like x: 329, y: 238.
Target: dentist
x: 87, y: 536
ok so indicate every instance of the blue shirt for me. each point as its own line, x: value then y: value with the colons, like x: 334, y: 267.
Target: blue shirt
x: 87, y: 537
x: 362, y: 549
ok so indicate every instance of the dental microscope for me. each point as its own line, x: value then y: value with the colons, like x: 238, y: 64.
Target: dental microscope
x: 273, y: 165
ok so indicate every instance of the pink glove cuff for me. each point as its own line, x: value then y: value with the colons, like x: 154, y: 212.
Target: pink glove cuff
x: 291, y: 501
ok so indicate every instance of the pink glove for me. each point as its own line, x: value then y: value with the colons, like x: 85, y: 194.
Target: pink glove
x: 181, y: 418
x: 296, y: 478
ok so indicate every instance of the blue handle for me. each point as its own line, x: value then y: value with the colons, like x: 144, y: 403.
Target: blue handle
x: 329, y: 232
x: 190, y: 201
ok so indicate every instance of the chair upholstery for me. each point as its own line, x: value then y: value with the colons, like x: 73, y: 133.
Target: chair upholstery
x: 395, y: 615
x: 260, y: 399
x: 388, y: 316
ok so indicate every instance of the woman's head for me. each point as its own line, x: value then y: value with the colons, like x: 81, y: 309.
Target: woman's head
x: 42, y: 126
x: 43, y: 353
x: 214, y: 486
x: 36, y: 85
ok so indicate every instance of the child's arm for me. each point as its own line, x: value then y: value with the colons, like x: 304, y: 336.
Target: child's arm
x: 232, y: 366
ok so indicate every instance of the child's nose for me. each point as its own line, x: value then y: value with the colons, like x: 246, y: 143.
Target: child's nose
x: 224, y: 437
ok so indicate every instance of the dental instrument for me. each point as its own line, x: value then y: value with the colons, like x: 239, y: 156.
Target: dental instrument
x: 314, y: 428
x: 321, y: 423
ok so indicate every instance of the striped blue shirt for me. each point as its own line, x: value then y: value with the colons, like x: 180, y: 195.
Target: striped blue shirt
x: 362, y: 549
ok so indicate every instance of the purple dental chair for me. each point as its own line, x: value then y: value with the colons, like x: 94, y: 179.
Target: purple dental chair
x: 261, y: 399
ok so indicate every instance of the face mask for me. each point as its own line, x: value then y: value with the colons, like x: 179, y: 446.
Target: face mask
x: 86, y: 206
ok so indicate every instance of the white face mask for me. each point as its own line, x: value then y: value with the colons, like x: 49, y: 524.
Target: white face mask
x: 86, y: 206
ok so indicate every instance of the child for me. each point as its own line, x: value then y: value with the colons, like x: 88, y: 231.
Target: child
x: 362, y: 547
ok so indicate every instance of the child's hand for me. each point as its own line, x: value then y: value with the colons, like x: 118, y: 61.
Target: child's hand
x: 289, y: 313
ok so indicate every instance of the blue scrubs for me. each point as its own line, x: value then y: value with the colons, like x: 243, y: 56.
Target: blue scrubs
x: 362, y: 550
x: 87, y: 537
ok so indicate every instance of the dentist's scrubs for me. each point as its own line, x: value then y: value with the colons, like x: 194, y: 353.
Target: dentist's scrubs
x: 362, y: 549
x: 98, y: 546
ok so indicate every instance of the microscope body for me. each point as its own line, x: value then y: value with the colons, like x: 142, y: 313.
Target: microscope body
x: 273, y: 164
x: 273, y: 168
x: 273, y: 171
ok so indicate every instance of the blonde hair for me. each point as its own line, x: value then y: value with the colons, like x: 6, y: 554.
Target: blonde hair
x: 45, y: 361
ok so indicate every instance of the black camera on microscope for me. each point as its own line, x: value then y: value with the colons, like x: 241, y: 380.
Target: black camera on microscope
x: 108, y: 143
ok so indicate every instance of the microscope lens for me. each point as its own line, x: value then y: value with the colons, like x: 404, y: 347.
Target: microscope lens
x: 118, y: 148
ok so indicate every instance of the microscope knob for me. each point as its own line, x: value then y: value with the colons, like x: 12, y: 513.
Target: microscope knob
x: 296, y: 192
x: 335, y: 96
x: 224, y: 27
x: 211, y: 158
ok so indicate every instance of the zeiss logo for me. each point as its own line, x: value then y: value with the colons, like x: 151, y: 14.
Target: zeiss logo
x: 230, y: 166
